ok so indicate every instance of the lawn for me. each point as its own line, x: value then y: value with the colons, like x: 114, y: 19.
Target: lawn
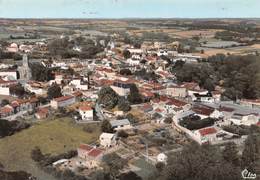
x: 52, y: 136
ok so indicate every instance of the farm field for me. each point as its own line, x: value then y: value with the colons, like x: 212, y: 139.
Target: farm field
x: 52, y: 136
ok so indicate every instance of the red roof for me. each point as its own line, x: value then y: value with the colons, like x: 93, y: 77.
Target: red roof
x: 63, y: 98
x: 5, y: 110
x: 207, y: 131
x: 95, y: 152
x: 227, y: 109
x: 191, y: 85
x: 203, y: 110
x: 77, y: 94
x: 14, y: 104
x: 85, y: 108
x: 176, y: 102
x: 85, y: 147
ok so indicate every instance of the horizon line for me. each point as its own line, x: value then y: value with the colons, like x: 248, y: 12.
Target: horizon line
x: 123, y: 18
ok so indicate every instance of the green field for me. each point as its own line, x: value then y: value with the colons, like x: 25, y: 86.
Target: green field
x: 52, y: 136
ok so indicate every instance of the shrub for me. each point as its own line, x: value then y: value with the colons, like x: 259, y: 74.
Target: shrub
x: 122, y: 134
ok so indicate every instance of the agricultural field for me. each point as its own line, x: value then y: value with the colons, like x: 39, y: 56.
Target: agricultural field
x: 52, y: 136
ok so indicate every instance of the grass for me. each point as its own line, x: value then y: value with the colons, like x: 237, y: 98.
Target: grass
x: 52, y: 136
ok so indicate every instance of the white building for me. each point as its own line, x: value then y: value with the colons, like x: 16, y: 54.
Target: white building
x: 244, y: 119
x: 133, y: 62
x: 5, y: 86
x: 62, y: 101
x: 107, y: 139
x: 162, y: 158
x: 78, y: 84
x: 123, y: 124
x: 13, y: 48
x: 176, y: 91
x: 35, y: 88
x: 122, y: 88
x: 86, y: 113
x: 10, y: 74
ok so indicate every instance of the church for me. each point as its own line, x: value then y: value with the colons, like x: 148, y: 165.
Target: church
x: 24, y: 70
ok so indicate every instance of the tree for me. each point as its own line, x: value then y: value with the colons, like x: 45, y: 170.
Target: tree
x: 168, y: 120
x: 36, y: 154
x: 126, y: 54
x: 230, y: 154
x: 122, y: 134
x: 125, y: 72
x: 197, y: 162
x: 5, y: 102
x: 123, y: 105
x: 251, y: 153
x: 54, y: 91
x: 17, y: 90
x: 134, y: 97
x: 107, y: 97
x: 106, y: 127
x: 113, y: 164
x: 129, y: 176
x: 40, y: 73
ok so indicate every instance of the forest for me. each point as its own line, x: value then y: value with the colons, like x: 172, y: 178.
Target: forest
x: 238, y: 75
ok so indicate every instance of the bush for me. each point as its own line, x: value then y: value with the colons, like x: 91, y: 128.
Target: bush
x: 106, y: 127
x: 123, y: 105
x: 122, y: 134
x: 194, y: 122
x: 37, y: 155
x: 168, y: 120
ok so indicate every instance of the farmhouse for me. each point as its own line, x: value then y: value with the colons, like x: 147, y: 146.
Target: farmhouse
x: 91, y: 156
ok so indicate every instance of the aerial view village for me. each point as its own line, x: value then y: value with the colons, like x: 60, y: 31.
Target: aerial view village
x: 129, y: 99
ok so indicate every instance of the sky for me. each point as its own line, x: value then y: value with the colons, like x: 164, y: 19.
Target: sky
x: 129, y: 8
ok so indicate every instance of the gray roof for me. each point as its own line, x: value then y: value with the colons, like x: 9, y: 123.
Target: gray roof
x: 116, y: 123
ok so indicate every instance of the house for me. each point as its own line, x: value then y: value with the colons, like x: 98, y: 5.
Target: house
x: 250, y: 102
x: 78, y: 95
x: 122, y: 124
x: 5, y: 86
x: 203, y: 111
x: 42, y: 113
x: 91, y: 156
x: 86, y: 113
x: 244, y: 119
x: 107, y: 139
x: 147, y: 108
x: 79, y: 84
x: 207, y: 98
x: 6, y: 111
x: 36, y: 87
x: 25, y: 104
x: 162, y: 158
x: 176, y: 91
x: 206, y: 135
x: 122, y: 87
x: 133, y: 62
x: 62, y: 101
x: 11, y: 74
x: 14, y: 48
x: 175, y: 105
